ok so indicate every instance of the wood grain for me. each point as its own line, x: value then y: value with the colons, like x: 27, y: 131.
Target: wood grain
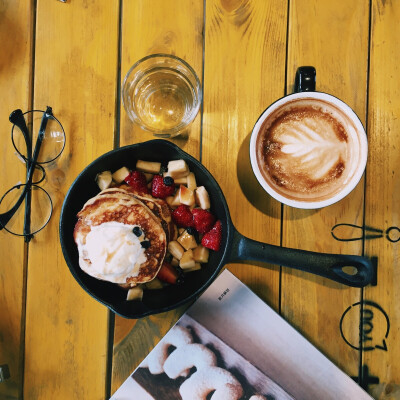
x: 383, y: 196
x: 75, y: 73
x: 247, y: 48
x: 244, y: 73
x: 335, y: 41
x: 171, y: 27
x: 15, y: 83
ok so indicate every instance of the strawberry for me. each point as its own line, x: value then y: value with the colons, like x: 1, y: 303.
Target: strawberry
x: 169, y: 274
x: 137, y: 180
x: 203, y: 220
x: 162, y: 187
x: 182, y: 216
x: 212, y: 239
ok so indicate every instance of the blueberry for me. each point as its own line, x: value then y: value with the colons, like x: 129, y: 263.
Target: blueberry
x: 137, y: 231
x: 180, y: 280
x: 181, y: 276
x: 145, y: 244
x: 191, y: 230
x: 168, y: 181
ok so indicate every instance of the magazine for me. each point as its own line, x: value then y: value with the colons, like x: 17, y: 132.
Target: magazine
x: 231, y: 345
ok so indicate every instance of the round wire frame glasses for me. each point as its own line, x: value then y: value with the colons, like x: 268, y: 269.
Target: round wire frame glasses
x: 43, y: 129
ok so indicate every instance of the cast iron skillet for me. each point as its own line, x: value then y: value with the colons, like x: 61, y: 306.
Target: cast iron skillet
x: 234, y: 246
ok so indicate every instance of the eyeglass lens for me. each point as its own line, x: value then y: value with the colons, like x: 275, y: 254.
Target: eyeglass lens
x: 46, y: 147
x: 53, y: 141
x: 41, y: 209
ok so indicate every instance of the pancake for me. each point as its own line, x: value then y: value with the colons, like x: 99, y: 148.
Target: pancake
x: 159, y: 207
x: 119, y: 212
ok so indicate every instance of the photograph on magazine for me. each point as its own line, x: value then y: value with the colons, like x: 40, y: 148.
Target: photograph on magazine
x: 231, y: 345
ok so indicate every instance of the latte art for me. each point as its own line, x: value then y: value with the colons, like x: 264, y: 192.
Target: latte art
x: 309, y: 142
x: 307, y: 150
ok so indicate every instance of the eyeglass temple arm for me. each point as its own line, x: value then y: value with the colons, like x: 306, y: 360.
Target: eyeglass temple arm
x: 27, y: 219
x: 5, y: 217
x: 18, y: 119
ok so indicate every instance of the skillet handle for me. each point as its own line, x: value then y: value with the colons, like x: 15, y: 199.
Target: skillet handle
x: 350, y: 270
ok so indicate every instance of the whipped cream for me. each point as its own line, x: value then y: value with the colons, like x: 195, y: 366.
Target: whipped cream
x: 114, y: 251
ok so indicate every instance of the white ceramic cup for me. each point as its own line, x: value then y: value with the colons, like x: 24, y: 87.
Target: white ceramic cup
x: 295, y: 164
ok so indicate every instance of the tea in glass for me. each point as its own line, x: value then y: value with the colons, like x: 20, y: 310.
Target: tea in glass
x: 162, y: 94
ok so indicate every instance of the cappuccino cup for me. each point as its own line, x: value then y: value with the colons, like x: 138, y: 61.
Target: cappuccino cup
x: 308, y: 149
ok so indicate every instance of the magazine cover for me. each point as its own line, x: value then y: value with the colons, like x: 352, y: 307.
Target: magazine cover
x: 231, y: 345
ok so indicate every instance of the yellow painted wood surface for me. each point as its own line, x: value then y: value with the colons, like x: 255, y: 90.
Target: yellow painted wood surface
x: 171, y: 27
x: 335, y: 41
x: 15, y: 83
x: 165, y: 27
x: 383, y: 198
x: 244, y: 72
x: 76, y: 58
x: 250, y: 51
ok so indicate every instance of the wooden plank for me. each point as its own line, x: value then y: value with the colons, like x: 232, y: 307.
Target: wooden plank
x: 161, y: 26
x: 335, y: 41
x: 383, y: 200
x: 161, y: 29
x: 244, y: 72
x: 15, y: 83
x: 76, y: 62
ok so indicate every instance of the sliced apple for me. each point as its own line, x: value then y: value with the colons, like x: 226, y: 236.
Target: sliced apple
x: 170, y: 200
x: 181, y: 181
x: 191, y: 182
x: 148, y: 176
x: 176, y: 249
x: 202, y: 198
x: 148, y: 166
x: 174, y: 262
x: 186, y: 196
x: 120, y: 174
x: 196, y: 267
x: 187, y: 260
x: 187, y: 240
x: 175, y: 202
x: 201, y: 254
x: 154, y: 284
x: 104, y: 180
x: 178, y: 169
x: 178, y: 181
x: 135, y: 293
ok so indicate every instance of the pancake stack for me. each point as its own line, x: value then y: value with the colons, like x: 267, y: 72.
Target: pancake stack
x: 121, y: 206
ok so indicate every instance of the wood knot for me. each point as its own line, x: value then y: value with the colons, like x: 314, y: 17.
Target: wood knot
x: 238, y: 10
x: 57, y: 178
x: 232, y: 5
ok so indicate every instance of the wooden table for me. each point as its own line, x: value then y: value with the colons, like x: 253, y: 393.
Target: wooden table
x: 58, y: 342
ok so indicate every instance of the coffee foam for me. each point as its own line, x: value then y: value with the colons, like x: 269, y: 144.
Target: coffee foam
x: 307, y: 149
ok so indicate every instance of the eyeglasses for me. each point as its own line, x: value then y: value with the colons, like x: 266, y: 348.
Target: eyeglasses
x: 49, y: 144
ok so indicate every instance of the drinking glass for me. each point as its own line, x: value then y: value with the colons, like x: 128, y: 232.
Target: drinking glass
x: 162, y: 94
